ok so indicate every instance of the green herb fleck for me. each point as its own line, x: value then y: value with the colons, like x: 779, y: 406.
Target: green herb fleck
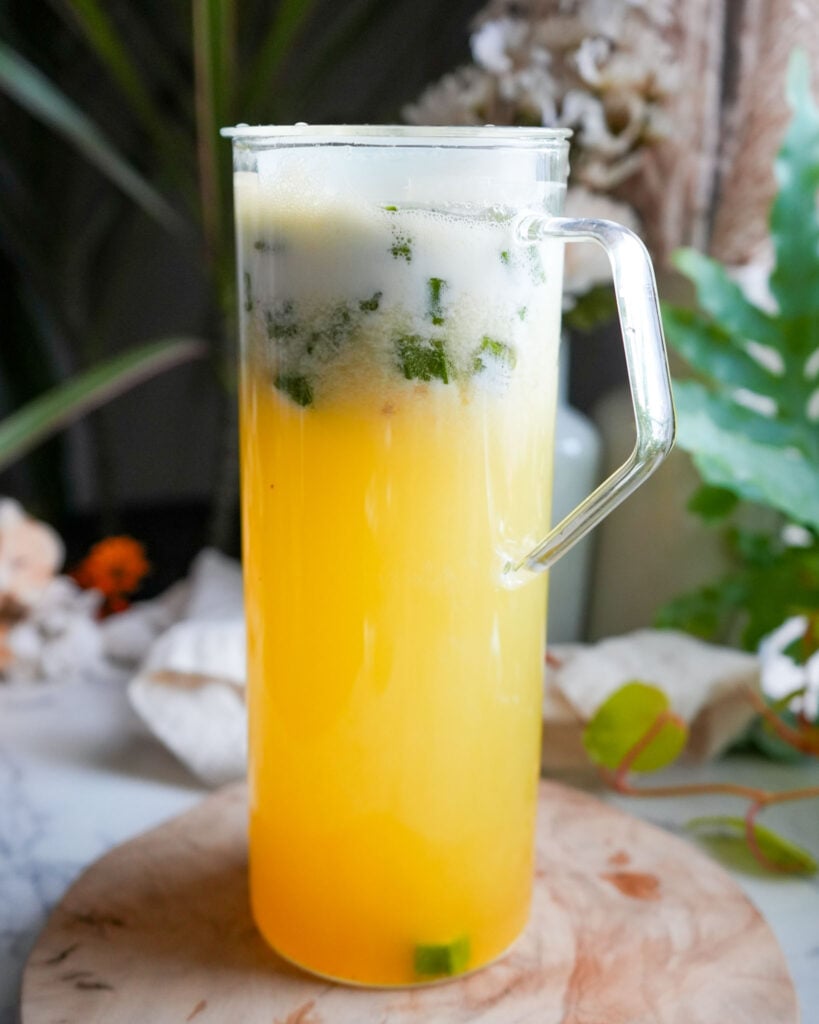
x: 268, y: 245
x: 436, y: 311
x: 332, y: 333
x: 340, y: 324
x: 536, y: 270
x: 370, y: 305
x: 489, y: 351
x: 390, y: 209
x: 248, y: 294
x: 442, y: 959
x: 401, y: 248
x: 522, y: 312
x: 529, y: 260
x: 281, y: 321
x: 422, y: 358
x: 297, y: 387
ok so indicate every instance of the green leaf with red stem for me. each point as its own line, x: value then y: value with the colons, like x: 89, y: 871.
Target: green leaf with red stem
x: 635, y: 730
x: 770, y: 849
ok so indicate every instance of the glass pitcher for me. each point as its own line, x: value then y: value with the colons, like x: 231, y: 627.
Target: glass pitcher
x: 400, y: 294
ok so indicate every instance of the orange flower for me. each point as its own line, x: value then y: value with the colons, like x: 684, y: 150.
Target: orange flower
x: 115, y: 566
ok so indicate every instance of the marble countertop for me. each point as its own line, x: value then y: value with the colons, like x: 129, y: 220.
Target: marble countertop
x: 79, y: 773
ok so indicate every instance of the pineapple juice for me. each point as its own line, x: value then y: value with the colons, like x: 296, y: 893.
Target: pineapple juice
x: 397, y: 412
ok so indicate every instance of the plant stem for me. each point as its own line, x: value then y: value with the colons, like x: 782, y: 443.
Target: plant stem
x: 753, y: 842
x: 766, y: 799
x: 622, y: 785
x: 205, y: 71
x: 214, y: 45
x: 762, y: 797
x: 805, y: 740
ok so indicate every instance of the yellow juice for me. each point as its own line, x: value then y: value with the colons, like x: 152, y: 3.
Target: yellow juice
x: 396, y: 460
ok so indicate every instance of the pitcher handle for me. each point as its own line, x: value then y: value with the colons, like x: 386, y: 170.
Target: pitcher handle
x: 649, y: 378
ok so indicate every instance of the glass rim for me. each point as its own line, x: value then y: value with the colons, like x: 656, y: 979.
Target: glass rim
x: 399, y: 134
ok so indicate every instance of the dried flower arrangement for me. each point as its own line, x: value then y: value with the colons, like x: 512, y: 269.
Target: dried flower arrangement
x: 604, y: 69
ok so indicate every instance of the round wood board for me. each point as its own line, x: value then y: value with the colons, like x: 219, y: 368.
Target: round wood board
x: 629, y: 925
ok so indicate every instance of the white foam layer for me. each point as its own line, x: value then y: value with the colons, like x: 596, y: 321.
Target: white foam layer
x: 322, y: 266
x: 427, y: 176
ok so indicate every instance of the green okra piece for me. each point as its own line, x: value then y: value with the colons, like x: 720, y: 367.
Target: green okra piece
x: 436, y: 285
x: 442, y: 959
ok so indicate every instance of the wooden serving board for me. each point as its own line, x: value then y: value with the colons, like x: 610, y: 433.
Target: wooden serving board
x: 629, y: 925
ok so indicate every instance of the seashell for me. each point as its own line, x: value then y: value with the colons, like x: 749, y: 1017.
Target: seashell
x: 190, y: 693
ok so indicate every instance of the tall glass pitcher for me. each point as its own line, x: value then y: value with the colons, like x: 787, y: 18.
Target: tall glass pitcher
x: 400, y: 294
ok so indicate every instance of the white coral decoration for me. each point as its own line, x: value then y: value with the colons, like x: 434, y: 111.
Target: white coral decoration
x: 461, y: 97
x: 586, y: 264
x: 600, y: 67
x: 780, y: 673
x: 492, y: 43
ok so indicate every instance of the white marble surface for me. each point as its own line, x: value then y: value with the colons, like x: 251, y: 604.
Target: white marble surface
x: 79, y: 774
